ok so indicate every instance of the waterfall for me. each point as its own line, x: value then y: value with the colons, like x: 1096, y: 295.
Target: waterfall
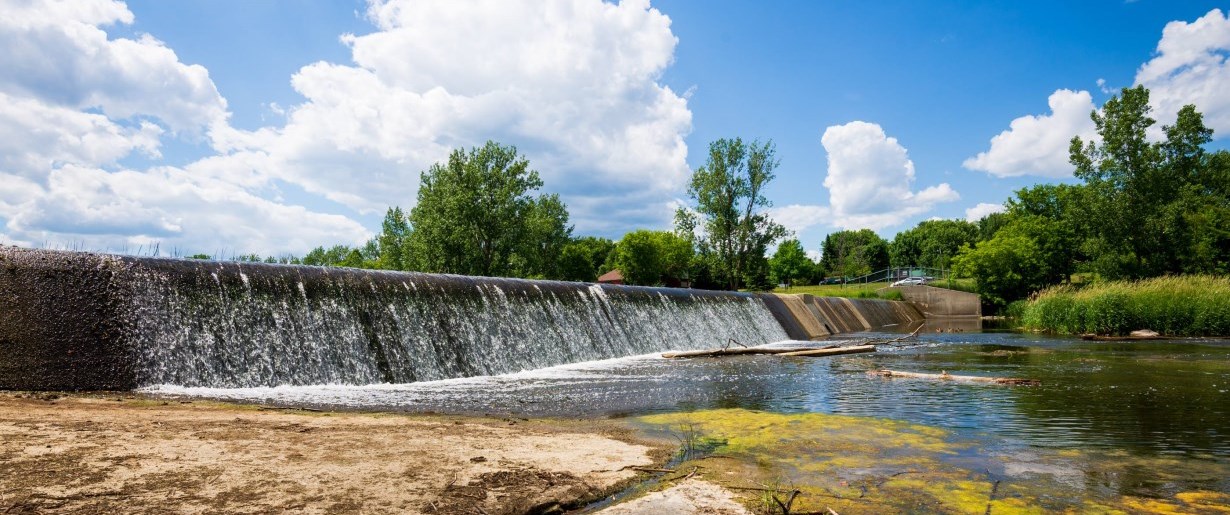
x: 226, y: 324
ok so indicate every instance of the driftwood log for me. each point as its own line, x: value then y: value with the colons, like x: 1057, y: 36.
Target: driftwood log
x: 831, y: 350
x: 1104, y: 338
x: 725, y: 352
x: 949, y: 377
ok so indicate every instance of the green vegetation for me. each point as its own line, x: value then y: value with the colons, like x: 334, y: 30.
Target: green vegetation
x: 1147, y: 205
x: 853, y: 253
x: 476, y: 215
x: 1191, y: 305
x: 790, y: 264
x: 652, y: 258
x: 1144, y: 209
x: 853, y: 291
x: 931, y: 243
x: 734, y: 230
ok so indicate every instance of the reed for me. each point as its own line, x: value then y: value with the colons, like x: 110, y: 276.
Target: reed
x: 1187, y: 305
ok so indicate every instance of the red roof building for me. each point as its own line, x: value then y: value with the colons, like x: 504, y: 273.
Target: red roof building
x: 612, y: 277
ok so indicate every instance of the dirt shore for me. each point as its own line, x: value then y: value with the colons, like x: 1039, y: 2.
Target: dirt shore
x: 96, y: 454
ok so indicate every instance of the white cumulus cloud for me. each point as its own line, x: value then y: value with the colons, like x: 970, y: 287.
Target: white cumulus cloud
x: 1190, y: 67
x: 574, y: 85
x: 1038, y: 145
x: 58, y: 53
x: 981, y: 210
x: 870, y: 179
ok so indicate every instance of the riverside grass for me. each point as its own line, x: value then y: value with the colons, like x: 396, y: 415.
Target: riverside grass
x: 1187, y: 305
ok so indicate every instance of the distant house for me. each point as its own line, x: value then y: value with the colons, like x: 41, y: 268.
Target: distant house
x: 612, y: 277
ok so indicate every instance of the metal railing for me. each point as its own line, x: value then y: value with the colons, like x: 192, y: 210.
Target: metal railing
x: 898, y: 273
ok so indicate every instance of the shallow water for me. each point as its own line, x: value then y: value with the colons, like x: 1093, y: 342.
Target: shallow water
x: 1145, y: 419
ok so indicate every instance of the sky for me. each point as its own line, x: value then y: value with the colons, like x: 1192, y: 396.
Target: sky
x: 274, y: 126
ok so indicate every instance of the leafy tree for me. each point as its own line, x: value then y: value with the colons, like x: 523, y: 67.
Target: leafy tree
x: 931, y: 243
x: 546, y: 234
x: 476, y: 216
x: 1139, y: 193
x: 853, y: 253
x: 990, y: 224
x: 1005, y: 268
x: 652, y: 257
x: 337, y: 255
x: 581, y: 259
x: 393, y: 241
x: 729, y: 196
x: 790, y: 263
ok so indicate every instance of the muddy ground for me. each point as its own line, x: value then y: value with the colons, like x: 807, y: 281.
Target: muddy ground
x: 109, y: 454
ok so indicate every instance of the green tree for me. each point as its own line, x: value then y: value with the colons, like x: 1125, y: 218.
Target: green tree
x: 652, y: 257
x: 853, y: 253
x: 476, y: 215
x: 581, y: 259
x: 393, y: 241
x: 1005, y: 268
x: 729, y: 196
x: 337, y: 255
x: 790, y: 263
x: 931, y: 243
x: 1139, y: 193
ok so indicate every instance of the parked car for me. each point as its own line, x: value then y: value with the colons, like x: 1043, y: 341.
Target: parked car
x: 911, y: 281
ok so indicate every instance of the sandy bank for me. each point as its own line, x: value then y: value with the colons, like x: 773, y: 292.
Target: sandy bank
x: 96, y: 454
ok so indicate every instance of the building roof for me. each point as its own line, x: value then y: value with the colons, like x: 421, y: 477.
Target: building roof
x: 611, y: 277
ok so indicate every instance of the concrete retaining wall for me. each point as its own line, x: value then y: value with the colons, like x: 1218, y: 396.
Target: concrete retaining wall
x: 807, y: 317
x: 942, y: 302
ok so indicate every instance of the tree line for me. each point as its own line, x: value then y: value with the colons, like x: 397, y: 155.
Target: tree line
x: 1147, y: 204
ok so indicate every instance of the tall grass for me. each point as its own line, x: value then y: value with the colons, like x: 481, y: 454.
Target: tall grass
x: 1188, y: 305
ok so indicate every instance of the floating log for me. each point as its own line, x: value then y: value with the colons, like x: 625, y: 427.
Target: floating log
x: 832, y: 352
x: 731, y: 352
x: 949, y: 377
x: 1103, y: 338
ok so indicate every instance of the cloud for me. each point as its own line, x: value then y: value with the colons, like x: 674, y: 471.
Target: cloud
x: 981, y: 210
x: 1038, y: 145
x: 90, y: 207
x: 1190, y: 67
x: 57, y: 53
x: 36, y: 137
x: 574, y: 85
x: 797, y: 218
x: 870, y: 177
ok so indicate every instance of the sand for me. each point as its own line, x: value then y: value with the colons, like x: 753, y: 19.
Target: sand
x: 96, y: 454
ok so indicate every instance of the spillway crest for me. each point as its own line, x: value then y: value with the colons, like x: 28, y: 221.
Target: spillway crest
x: 93, y: 321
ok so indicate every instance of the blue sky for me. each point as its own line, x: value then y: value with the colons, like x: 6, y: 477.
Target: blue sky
x: 260, y: 127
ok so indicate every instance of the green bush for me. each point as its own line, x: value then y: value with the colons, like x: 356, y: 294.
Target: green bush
x: 1188, y: 305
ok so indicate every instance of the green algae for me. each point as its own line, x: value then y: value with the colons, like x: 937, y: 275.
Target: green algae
x: 856, y: 465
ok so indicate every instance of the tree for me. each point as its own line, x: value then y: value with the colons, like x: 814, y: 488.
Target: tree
x: 581, y: 258
x: 931, y: 243
x: 393, y: 241
x: 476, y: 216
x: 1005, y: 268
x: 652, y: 257
x: 729, y: 196
x: 1139, y: 193
x: 337, y: 255
x: 790, y: 263
x: 853, y: 253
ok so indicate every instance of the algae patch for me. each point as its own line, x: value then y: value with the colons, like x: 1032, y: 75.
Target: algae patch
x: 872, y: 465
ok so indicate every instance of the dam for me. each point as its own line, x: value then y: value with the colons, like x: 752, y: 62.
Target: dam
x: 87, y: 321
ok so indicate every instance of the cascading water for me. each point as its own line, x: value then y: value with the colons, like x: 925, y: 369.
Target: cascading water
x: 215, y: 324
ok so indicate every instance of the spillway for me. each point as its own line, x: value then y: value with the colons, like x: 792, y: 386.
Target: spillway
x: 86, y: 321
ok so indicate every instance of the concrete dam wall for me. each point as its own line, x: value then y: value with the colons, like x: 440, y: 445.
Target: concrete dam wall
x: 807, y: 317
x: 84, y: 321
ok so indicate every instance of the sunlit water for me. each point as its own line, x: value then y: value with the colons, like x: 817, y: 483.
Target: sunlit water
x: 1148, y: 418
